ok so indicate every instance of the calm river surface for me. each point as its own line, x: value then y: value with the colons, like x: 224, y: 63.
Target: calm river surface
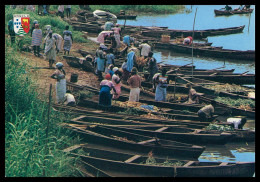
x: 206, y: 19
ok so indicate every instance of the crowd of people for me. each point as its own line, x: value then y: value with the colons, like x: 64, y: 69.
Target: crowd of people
x: 111, y: 77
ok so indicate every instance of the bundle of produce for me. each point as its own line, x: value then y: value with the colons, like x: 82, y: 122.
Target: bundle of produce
x: 246, y: 104
x: 219, y: 127
x: 136, y: 105
x: 141, y: 61
x: 228, y: 88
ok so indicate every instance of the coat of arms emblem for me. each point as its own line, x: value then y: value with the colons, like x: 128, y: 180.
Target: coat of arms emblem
x: 21, y: 24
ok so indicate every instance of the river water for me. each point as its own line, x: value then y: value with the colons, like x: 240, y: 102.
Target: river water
x: 206, y: 19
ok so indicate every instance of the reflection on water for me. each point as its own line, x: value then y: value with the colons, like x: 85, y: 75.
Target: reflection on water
x: 231, y: 152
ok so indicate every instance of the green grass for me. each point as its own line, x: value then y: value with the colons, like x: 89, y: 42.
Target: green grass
x: 158, y: 9
x: 28, y: 153
x: 58, y: 25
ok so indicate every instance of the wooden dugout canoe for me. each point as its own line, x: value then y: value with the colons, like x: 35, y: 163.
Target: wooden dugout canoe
x: 232, y: 12
x: 111, y: 118
x: 209, y: 51
x: 180, y: 134
x: 136, y: 143
x: 184, y: 126
x: 120, y: 164
x: 198, y: 34
x: 127, y: 17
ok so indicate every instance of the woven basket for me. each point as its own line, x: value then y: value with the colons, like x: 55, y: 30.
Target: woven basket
x: 165, y: 38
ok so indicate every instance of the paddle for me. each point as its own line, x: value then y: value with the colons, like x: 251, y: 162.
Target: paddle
x: 244, y: 73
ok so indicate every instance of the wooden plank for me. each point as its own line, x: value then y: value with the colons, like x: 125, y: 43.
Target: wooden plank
x: 161, y: 129
x: 147, y: 141
x: 79, y: 118
x: 131, y: 159
x: 72, y: 148
x: 223, y: 164
x: 189, y: 163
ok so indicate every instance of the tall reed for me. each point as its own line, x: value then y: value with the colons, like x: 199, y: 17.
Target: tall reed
x: 25, y: 125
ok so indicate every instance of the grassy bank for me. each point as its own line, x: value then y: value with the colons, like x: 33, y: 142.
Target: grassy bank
x: 140, y: 9
x: 29, y: 150
x: 58, y: 24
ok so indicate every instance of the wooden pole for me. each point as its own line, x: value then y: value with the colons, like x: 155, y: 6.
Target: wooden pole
x: 249, y: 21
x: 192, y: 42
x: 47, y: 129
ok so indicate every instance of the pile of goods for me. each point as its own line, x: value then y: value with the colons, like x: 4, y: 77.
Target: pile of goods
x: 141, y: 61
x: 219, y: 127
x: 231, y: 88
x: 245, y: 104
x: 135, y: 105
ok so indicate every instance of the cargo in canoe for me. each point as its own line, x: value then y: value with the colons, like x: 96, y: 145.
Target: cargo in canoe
x: 180, y: 134
x: 110, y: 137
x: 121, y: 164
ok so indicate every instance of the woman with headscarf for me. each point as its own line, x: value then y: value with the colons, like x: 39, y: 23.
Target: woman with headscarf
x: 60, y: 74
x: 104, y: 95
x: 58, y: 41
x: 67, y: 36
x: 36, y: 40
x: 162, y: 82
x: 50, y: 50
x: 33, y: 26
x: 131, y: 61
x: 117, y: 32
x: 100, y: 59
x: 110, y: 59
x: 116, y: 79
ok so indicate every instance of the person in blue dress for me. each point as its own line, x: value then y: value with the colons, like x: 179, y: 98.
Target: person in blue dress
x: 100, y: 60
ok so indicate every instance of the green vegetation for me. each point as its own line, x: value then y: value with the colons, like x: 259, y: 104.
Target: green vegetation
x: 219, y: 127
x: 58, y: 25
x: 228, y: 88
x: 151, y: 161
x: 130, y: 111
x: 140, y: 9
x: 246, y: 104
x: 29, y: 152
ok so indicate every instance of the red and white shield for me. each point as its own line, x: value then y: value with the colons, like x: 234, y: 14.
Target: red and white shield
x: 25, y: 22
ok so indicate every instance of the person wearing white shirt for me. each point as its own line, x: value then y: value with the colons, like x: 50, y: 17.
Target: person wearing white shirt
x: 69, y: 99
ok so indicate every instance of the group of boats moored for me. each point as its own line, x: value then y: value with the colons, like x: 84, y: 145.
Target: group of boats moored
x: 167, y: 139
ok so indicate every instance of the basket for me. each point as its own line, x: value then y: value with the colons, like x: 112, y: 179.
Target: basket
x: 166, y: 38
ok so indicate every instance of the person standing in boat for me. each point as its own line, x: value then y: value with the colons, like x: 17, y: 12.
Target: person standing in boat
x: 135, y: 84
x: 104, y: 95
x: 100, y: 59
x: 228, y: 8
x: 187, y: 40
x: 59, y: 75
x: 69, y: 99
x: 206, y: 113
x: 145, y: 49
x: 162, y: 81
x: 193, y: 97
x: 152, y: 65
x: 50, y: 50
x: 68, y: 39
x: 116, y: 79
